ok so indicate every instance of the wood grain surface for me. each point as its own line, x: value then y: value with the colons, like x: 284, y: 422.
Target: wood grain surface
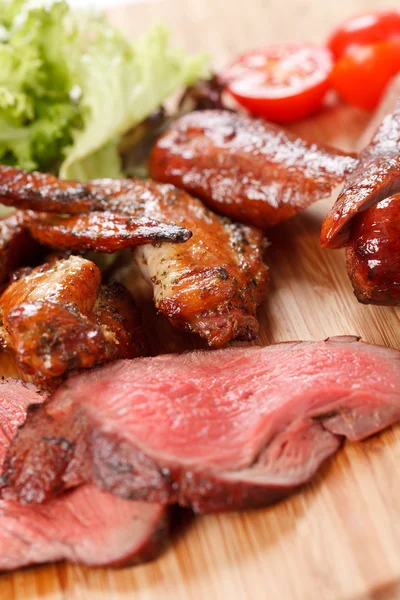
x: 339, y: 538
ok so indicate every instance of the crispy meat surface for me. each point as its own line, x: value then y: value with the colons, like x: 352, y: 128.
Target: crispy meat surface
x: 46, y: 193
x: 212, y: 284
x: 250, y: 170
x: 376, y: 177
x: 373, y: 253
x: 57, y: 318
x: 101, y: 232
x: 16, y: 244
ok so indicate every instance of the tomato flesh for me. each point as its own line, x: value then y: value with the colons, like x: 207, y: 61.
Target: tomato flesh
x: 365, y: 29
x: 361, y: 76
x: 281, y: 82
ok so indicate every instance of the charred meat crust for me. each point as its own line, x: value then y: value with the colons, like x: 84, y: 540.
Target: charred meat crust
x: 247, y: 169
x: 129, y: 198
x: 102, y: 232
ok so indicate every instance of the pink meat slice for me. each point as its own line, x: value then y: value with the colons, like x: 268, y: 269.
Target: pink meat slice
x: 84, y: 525
x: 213, y: 430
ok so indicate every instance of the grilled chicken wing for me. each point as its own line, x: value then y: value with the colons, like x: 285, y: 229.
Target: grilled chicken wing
x: 212, y: 284
x: 57, y: 318
x: 376, y: 177
x: 101, y: 232
x: 46, y: 193
x: 245, y: 168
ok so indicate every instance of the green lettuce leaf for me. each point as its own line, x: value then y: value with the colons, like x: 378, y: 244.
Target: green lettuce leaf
x: 71, y: 86
x: 122, y: 84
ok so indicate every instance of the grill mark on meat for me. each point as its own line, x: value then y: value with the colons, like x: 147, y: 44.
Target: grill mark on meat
x: 212, y: 430
x: 250, y: 170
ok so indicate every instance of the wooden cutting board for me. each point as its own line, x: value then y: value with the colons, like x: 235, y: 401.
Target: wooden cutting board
x: 339, y: 538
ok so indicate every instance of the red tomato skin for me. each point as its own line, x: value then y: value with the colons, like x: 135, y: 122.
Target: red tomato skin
x: 285, y: 110
x: 364, y: 29
x: 278, y: 95
x: 361, y: 76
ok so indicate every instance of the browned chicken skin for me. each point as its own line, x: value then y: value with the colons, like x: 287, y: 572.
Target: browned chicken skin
x: 245, y: 168
x: 212, y: 284
x: 16, y: 245
x: 46, y: 193
x: 376, y: 177
x: 100, y: 232
x: 58, y: 318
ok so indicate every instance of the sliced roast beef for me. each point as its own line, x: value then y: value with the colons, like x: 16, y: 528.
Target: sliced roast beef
x: 213, y: 430
x: 84, y: 525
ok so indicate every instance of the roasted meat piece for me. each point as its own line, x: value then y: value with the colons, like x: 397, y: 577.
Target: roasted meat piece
x: 372, y: 234
x: 376, y: 177
x: 57, y: 318
x: 212, y: 284
x: 85, y: 525
x: 46, y: 193
x: 101, y: 232
x: 250, y: 170
x: 213, y: 430
x: 373, y: 253
x: 16, y: 244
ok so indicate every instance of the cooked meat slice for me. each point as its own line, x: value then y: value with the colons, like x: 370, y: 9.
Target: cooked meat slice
x: 16, y: 245
x: 213, y: 430
x: 373, y: 253
x: 102, y: 232
x: 15, y: 399
x: 376, y: 177
x: 46, y: 193
x: 51, y: 320
x: 212, y: 284
x: 246, y: 168
x: 85, y: 525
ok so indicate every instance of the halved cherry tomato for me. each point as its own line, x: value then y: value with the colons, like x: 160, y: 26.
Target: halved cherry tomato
x: 281, y: 82
x: 365, y: 29
x: 360, y: 77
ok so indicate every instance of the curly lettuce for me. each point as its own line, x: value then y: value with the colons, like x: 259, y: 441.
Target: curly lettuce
x: 71, y: 86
